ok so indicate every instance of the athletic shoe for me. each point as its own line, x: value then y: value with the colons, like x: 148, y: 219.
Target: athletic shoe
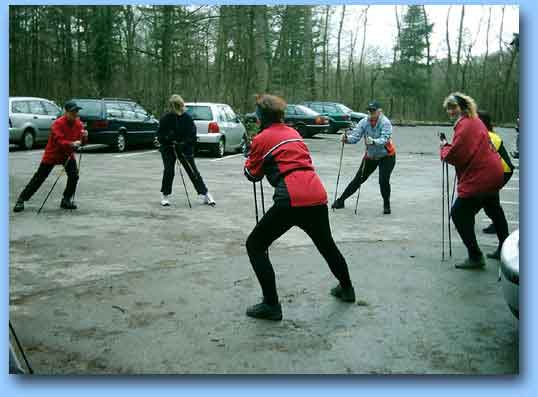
x: 490, y: 229
x: 68, y: 204
x: 472, y: 263
x: 19, y: 206
x: 337, y: 204
x: 165, y: 200
x: 265, y: 311
x: 495, y: 254
x: 386, y: 209
x: 344, y: 294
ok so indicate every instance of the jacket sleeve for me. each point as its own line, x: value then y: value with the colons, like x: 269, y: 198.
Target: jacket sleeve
x: 253, y: 168
x: 460, y: 151
x: 59, y: 139
x: 164, y: 130
x: 386, y: 133
x: 357, y: 133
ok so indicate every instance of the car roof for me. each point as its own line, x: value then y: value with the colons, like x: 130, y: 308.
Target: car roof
x: 205, y: 104
x: 27, y: 98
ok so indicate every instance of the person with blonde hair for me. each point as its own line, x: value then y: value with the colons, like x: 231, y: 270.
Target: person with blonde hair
x: 480, y: 175
x: 177, y: 136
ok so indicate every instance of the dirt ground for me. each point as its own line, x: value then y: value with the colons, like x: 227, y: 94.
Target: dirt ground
x: 125, y: 286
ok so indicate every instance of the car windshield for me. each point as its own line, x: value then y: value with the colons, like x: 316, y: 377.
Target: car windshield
x: 200, y: 112
x: 304, y: 110
x: 344, y: 108
x: 89, y: 108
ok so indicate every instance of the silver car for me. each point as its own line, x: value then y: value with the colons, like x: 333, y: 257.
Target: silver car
x: 30, y: 120
x: 218, y: 128
x: 510, y: 271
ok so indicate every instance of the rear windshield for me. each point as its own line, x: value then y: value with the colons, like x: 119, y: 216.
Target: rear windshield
x: 199, y: 112
x: 89, y: 108
x: 304, y: 110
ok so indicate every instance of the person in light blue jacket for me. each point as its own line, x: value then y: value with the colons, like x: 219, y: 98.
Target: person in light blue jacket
x: 376, y: 129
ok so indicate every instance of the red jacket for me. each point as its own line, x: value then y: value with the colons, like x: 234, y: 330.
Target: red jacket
x: 59, y: 148
x: 279, y: 153
x: 478, y: 165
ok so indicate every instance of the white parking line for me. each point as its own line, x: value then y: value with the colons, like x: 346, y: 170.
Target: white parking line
x: 510, y: 202
x: 510, y: 222
x: 135, y: 154
x: 227, y: 157
x: 510, y: 188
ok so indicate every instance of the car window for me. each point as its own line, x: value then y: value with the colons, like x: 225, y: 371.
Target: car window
x: 290, y: 110
x: 303, y: 110
x: 127, y: 109
x: 140, y: 112
x: 316, y: 107
x: 20, y: 107
x: 113, y: 109
x: 330, y: 109
x: 230, y: 115
x: 221, y: 115
x: 344, y: 108
x: 199, y: 112
x: 51, y: 109
x: 89, y: 108
x: 36, y: 108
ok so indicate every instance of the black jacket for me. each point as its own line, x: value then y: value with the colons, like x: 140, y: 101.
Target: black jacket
x: 179, y: 129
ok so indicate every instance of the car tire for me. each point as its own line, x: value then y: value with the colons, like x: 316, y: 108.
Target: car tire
x: 121, y: 142
x: 301, y: 129
x: 27, y: 140
x: 219, y: 148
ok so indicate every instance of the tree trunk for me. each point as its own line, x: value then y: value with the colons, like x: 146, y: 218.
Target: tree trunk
x: 338, y: 58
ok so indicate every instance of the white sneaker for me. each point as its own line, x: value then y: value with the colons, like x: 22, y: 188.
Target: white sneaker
x: 165, y: 200
x: 208, y: 199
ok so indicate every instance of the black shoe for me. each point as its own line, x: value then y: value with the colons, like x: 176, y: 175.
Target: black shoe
x: 472, y: 263
x: 19, y: 206
x: 495, y: 254
x: 337, y: 204
x: 68, y: 204
x: 490, y: 229
x: 386, y: 209
x: 344, y: 294
x: 265, y: 311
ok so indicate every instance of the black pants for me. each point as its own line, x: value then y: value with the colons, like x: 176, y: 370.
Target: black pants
x: 463, y: 215
x: 169, y: 157
x: 277, y: 221
x: 386, y: 165
x: 43, y: 172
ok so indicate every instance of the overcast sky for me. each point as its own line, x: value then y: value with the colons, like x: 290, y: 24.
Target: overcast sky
x: 381, y: 28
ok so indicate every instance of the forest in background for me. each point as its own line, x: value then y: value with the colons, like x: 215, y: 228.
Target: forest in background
x: 230, y: 53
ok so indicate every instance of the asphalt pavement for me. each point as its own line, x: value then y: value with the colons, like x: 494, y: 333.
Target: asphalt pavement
x: 124, y: 286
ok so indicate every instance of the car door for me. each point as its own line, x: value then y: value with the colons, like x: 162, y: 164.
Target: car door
x: 224, y: 124
x: 40, y: 119
x: 237, y: 128
x: 52, y: 110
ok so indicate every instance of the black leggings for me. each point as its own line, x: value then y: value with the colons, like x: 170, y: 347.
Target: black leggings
x: 386, y: 165
x: 168, y: 155
x: 277, y: 221
x: 463, y: 215
x: 43, y: 172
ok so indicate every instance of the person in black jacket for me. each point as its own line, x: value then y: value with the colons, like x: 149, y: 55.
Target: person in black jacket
x: 177, y: 136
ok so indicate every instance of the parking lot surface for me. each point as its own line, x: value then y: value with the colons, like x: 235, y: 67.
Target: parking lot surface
x: 125, y: 286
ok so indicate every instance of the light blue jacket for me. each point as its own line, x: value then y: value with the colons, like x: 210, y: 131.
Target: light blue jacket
x: 381, y: 135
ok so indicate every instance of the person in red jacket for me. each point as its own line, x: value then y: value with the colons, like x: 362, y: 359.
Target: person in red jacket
x: 67, y: 135
x: 480, y: 175
x: 279, y: 153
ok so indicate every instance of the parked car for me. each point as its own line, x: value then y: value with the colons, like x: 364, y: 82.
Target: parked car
x: 340, y: 116
x: 218, y: 128
x: 30, y: 120
x: 116, y: 122
x: 306, y: 121
x: 510, y: 271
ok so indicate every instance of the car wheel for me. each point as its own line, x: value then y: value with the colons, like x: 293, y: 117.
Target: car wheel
x: 27, y: 140
x: 121, y: 142
x: 219, y: 148
x: 301, y: 129
x: 156, y: 143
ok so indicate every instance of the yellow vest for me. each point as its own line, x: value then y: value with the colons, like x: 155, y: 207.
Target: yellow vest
x: 497, y: 141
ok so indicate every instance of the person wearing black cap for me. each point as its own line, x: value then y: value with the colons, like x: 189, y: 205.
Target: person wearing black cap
x: 376, y: 129
x: 66, y: 136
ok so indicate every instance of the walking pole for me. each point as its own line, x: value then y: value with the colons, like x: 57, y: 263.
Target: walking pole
x: 448, y: 210
x: 339, y: 170
x: 363, y: 165
x: 263, y: 201
x: 255, y: 201
x: 19, y: 346
x: 54, y: 184
x: 181, y: 174
x: 443, y: 210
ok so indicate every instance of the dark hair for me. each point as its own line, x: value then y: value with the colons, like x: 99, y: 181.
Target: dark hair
x: 486, y: 119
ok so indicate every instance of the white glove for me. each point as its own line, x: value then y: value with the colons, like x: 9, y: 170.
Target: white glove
x: 76, y: 145
x: 369, y: 140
